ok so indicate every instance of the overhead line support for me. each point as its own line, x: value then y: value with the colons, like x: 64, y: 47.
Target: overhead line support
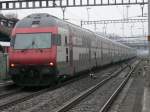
x: 32, y: 4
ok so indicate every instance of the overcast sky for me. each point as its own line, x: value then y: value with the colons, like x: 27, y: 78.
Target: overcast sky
x: 75, y: 15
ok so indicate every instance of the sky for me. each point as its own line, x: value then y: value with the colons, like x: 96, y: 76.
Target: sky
x: 76, y: 14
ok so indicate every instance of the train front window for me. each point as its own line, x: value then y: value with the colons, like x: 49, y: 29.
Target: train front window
x: 32, y: 41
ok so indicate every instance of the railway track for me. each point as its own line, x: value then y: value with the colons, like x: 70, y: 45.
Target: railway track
x: 24, y: 96
x: 9, y: 93
x: 107, y: 105
x: 77, y: 99
x: 11, y: 99
x: 8, y: 83
x: 8, y: 89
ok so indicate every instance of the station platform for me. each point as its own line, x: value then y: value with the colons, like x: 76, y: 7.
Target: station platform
x: 146, y: 95
x: 146, y: 100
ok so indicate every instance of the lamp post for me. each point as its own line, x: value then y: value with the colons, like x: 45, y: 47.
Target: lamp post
x: 88, y: 14
x: 63, y: 10
x: 127, y: 10
x: 105, y: 28
x: 142, y: 8
x: 132, y: 26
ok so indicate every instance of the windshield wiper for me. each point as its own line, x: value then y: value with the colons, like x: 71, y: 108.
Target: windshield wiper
x: 33, y: 42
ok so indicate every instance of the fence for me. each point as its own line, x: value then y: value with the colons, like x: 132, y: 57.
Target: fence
x: 4, y: 66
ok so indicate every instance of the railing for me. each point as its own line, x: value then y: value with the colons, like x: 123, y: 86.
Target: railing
x: 114, y: 21
x: 30, y: 4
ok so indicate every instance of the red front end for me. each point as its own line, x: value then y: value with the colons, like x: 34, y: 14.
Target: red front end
x: 32, y: 56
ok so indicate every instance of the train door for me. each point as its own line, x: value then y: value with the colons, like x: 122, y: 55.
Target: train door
x: 70, y: 53
x: 99, y: 53
x: 95, y: 57
x: 102, y: 53
x: 63, y: 52
x: 95, y: 51
x: 66, y: 49
x: 90, y: 51
x: 69, y: 49
x: 110, y: 50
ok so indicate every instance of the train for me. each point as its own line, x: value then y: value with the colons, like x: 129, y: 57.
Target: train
x: 44, y: 48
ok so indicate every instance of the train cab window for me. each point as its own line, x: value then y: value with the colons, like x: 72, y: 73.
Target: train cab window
x: 32, y: 41
x: 58, y: 40
x: 12, y: 41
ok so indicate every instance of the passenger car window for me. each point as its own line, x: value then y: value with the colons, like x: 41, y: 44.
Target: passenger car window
x: 56, y: 39
x: 66, y: 41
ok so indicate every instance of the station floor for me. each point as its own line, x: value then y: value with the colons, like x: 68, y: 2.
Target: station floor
x: 146, y: 100
x: 146, y: 95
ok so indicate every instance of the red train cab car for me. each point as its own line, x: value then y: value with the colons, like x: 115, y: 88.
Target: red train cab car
x: 32, y: 56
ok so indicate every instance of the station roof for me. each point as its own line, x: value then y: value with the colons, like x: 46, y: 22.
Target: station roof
x: 6, y: 25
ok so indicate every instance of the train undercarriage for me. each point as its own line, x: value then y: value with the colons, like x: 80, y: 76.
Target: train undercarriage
x: 33, y: 75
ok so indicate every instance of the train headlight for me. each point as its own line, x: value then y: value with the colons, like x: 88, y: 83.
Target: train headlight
x: 12, y: 65
x: 51, y: 64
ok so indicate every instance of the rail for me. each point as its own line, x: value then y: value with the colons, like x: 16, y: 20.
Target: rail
x: 84, y: 94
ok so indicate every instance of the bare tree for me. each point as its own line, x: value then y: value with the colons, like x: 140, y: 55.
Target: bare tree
x: 11, y: 15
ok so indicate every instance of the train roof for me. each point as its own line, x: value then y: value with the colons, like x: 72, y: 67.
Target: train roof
x: 112, y: 41
x: 49, y: 20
